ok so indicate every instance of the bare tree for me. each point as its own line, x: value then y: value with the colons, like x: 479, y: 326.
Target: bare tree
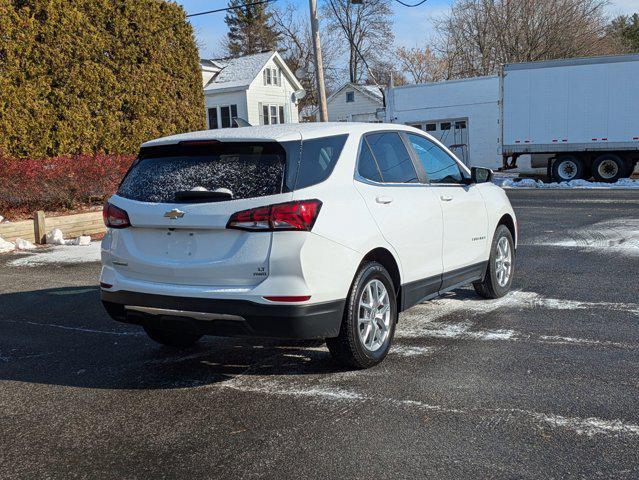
x: 477, y: 36
x: 381, y: 72
x: 297, y: 49
x: 366, y: 29
x: 421, y: 64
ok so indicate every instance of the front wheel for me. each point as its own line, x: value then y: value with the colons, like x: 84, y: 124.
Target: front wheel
x: 172, y: 339
x: 499, y: 273
x: 369, y: 320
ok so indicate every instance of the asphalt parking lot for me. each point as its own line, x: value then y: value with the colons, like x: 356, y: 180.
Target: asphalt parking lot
x: 541, y: 384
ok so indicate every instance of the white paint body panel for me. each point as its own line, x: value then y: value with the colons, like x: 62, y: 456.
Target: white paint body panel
x: 572, y: 105
x: 424, y: 237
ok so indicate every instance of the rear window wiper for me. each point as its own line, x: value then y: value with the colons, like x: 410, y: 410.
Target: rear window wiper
x: 218, y: 194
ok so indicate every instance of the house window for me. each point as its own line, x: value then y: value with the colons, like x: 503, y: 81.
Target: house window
x: 431, y: 127
x: 350, y: 97
x: 417, y: 125
x: 222, y: 117
x: 213, y: 118
x: 445, y: 126
x: 272, y: 114
x: 460, y: 124
x: 272, y: 76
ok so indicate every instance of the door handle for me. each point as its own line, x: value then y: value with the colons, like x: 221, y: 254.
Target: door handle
x: 383, y: 199
x: 446, y: 198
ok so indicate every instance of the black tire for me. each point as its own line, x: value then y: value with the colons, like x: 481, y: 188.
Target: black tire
x: 490, y: 286
x: 630, y: 167
x: 609, y: 168
x: 568, y: 167
x: 172, y: 339
x: 347, y: 348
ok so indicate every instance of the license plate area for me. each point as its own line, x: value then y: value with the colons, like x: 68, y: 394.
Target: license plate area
x: 180, y: 244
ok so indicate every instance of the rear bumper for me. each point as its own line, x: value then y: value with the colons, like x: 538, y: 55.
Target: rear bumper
x: 320, y: 320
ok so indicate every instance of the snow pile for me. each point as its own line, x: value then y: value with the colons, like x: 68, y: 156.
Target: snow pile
x: 6, y: 246
x: 22, y: 244
x: 56, y: 237
x: 531, y: 183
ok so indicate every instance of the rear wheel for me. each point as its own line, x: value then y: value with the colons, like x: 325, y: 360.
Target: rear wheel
x: 499, y: 273
x: 369, y: 320
x: 172, y: 339
x: 566, y: 168
x: 608, y: 168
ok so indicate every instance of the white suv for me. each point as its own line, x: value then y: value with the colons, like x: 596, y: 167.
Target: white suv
x: 300, y: 231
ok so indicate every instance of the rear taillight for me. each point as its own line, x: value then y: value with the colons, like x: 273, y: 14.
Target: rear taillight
x: 115, y: 217
x: 298, y: 216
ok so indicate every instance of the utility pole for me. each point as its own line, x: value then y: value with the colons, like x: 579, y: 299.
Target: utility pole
x: 319, y: 67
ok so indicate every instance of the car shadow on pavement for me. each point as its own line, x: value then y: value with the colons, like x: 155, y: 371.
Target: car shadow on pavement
x: 63, y: 336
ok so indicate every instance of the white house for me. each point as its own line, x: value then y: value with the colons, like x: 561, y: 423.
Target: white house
x: 354, y: 103
x: 259, y: 88
x: 463, y: 114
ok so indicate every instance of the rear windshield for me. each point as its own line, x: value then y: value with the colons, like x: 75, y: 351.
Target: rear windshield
x: 247, y: 169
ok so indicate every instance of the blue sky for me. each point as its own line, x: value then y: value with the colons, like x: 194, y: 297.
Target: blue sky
x: 412, y: 26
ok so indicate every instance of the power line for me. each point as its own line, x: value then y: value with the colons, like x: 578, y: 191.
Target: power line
x: 231, y: 8
x: 411, y: 6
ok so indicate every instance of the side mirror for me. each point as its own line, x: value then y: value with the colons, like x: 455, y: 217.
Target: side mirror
x: 481, y: 175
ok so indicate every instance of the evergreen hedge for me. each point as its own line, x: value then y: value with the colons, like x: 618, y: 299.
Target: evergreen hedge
x: 87, y: 76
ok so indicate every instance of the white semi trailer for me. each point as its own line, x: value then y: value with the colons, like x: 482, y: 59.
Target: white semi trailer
x: 579, y: 118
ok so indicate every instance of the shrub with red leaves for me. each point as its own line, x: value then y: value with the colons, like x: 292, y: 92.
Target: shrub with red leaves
x: 56, y: 183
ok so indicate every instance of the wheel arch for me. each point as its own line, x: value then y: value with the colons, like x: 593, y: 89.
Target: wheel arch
x: 387, y: 260
x: 509, y: 222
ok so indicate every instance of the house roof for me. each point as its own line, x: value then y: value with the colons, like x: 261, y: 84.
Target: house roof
x: 238, y: 73
x: 373, y: 90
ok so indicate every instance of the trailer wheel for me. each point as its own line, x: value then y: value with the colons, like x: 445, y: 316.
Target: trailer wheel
x: 566, y: 168
x: 608, y: 168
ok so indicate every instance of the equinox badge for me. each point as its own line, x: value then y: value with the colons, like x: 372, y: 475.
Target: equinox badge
x: 173, y: 214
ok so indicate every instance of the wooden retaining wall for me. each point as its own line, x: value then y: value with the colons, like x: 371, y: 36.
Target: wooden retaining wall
x: 71, y: 225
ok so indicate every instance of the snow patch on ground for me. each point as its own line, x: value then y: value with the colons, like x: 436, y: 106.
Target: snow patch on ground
x: 588, y: 426
x: 582, y: 184
x: 423, y: 315
x: 272, y: 387
x: 558, y: 340
x: 581, y: 426
x: 619, y: 236
x: 63, y: 254
x: 406, y: 351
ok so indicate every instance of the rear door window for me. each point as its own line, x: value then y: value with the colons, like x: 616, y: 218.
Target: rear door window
x: 366, y: 164
x: 247, y: 169
x: 395, y: 164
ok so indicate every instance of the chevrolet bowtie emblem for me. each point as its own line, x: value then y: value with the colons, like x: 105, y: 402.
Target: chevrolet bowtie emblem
x: 173, y: 214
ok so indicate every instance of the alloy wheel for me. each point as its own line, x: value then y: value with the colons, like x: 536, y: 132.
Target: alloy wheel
x: 503, y: 262
x: 374, y: 315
